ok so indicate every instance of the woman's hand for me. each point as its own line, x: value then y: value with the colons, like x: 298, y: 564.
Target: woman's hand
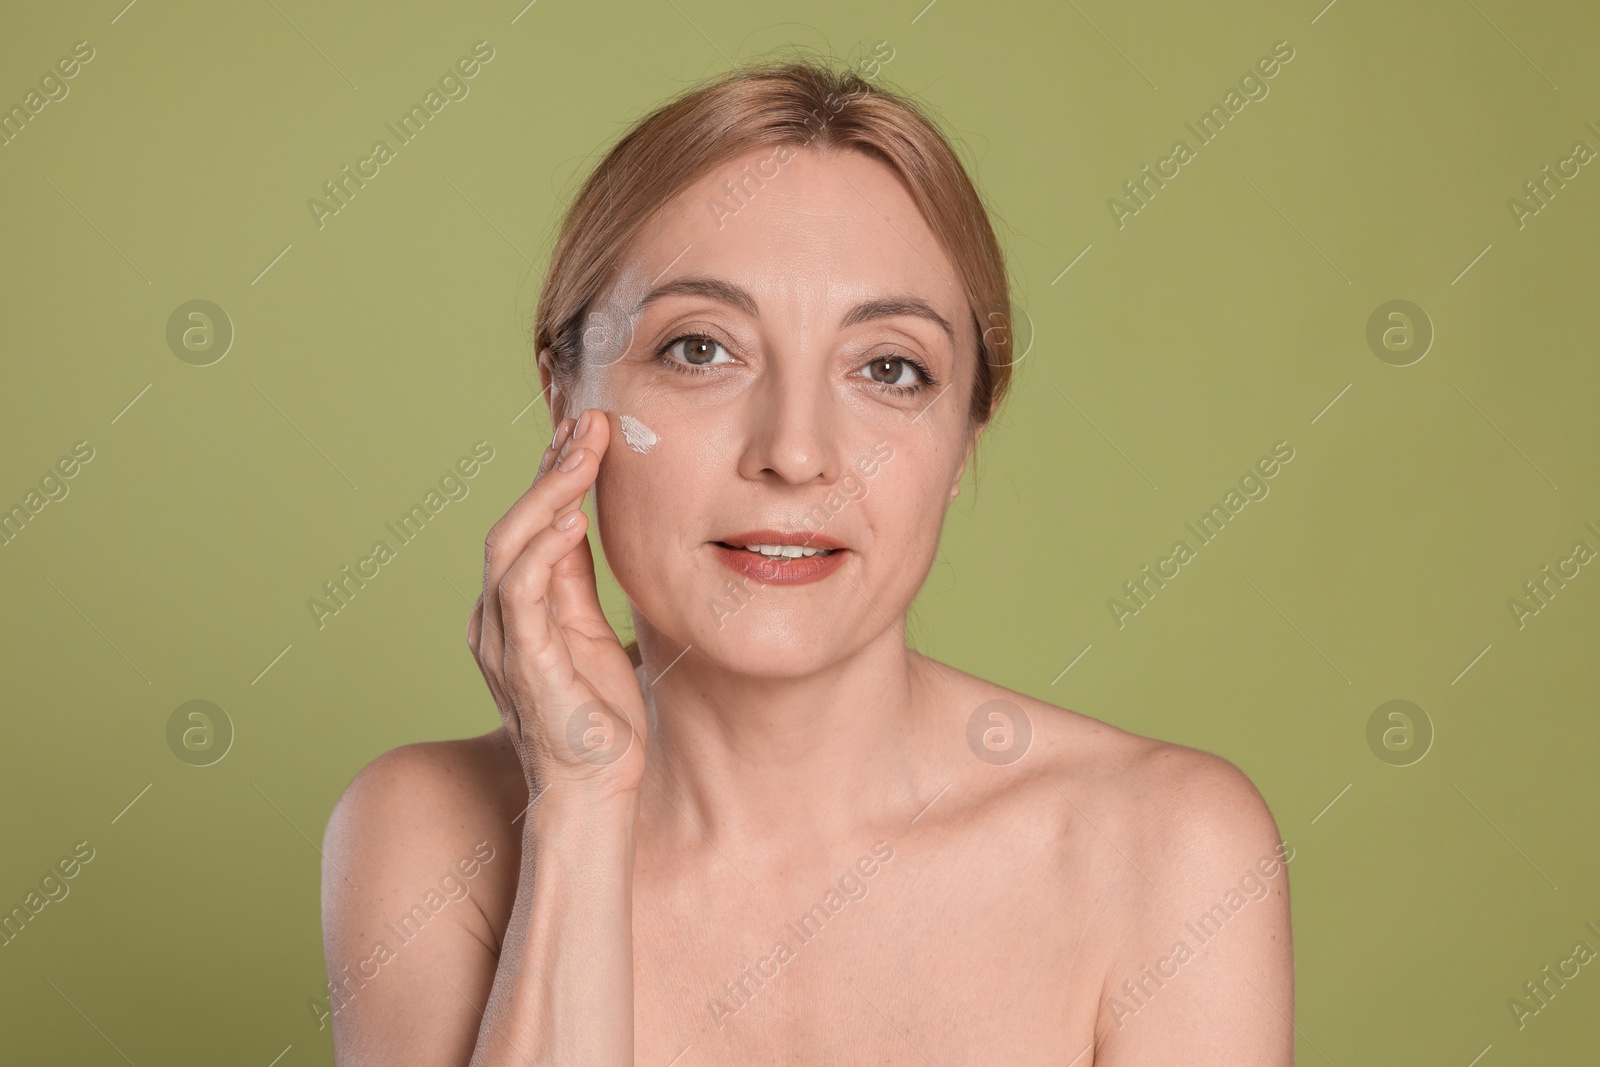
x: 564, y: 685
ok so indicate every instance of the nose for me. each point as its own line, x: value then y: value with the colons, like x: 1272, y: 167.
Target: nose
x: 792, y: 434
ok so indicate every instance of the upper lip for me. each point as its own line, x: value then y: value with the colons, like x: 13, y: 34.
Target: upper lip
x: 803, y: 538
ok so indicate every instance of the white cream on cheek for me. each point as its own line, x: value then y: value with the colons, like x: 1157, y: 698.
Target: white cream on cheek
x: 607, y: 337
x: 640, y: 437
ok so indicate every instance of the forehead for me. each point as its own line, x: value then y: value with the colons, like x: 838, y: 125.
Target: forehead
x: 821, y: 227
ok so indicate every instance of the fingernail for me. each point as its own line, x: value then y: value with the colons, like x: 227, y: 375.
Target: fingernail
x: 569, y: 520
x: 583, y: 423
x: 572, y: 459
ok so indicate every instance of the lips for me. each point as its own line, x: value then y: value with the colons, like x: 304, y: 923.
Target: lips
x: 733, y: 554
x: 805, y: 538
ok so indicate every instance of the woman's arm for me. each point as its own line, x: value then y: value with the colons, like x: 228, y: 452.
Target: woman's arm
x: 410, y: 866
x: 563, y: 992
x: 558, y: 987
x: 418, y: 973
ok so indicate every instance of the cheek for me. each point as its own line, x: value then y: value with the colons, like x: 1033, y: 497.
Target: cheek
x: 621, y: 506
x: 644, y: 505
x: 900, y: 518
x: 915, y: 504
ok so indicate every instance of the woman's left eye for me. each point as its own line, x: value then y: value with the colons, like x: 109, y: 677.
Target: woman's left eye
x: 696, y: 350
x: 894, y: 371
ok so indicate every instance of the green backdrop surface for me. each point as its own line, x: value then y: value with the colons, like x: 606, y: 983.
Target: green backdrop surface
x: 1444, y: 455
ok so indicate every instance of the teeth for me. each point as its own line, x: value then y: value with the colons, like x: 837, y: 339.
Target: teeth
x: 787, y: 551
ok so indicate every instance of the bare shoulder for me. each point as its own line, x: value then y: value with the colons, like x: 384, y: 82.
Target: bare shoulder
x: 1178, y: 808
x: 460, y: 768
x: 1185, y: 809
x: 419, y: 810
x: 420, y: 860
x: 1191, y: 880
x: 428, y: 791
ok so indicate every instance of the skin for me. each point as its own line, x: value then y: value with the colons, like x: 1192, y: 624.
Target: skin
x: 759, y: 756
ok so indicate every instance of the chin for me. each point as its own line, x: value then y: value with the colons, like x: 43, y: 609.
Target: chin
x: 764, y: 648
x: 771, y: 654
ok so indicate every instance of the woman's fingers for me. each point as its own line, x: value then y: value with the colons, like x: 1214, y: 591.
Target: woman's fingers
x: 551, y: 490
x: 518, y: 622
x: 558, y: 486
x: 574, y: 597
x: 490, y: 676
x: 536, y: 657
x: 537, y: 630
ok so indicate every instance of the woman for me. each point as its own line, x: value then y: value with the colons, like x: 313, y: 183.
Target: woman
x: 773, y: 330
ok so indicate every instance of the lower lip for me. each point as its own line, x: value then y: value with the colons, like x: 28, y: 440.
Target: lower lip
x: 797, y: 571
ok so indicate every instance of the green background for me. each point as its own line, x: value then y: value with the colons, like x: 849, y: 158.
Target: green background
x: 1229, y: 314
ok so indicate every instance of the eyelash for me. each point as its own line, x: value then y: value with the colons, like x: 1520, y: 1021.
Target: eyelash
x: 699, y: 370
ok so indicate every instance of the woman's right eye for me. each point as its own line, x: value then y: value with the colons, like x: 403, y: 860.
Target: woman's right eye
x: 696, y: 350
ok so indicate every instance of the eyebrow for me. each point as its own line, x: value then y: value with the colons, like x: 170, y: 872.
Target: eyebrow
x: 736, y: 296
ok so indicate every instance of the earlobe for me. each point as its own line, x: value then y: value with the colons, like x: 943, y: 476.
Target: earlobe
x: 972, y: 445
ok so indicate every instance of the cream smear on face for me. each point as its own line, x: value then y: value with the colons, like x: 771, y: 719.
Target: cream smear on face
x: 640, y: 437
x: 606, y: 336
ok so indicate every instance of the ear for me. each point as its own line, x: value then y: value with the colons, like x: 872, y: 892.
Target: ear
x: 555, y: 400
x: 972, y: 445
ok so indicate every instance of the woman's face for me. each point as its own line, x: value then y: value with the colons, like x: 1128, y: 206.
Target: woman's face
x: 801, y: 363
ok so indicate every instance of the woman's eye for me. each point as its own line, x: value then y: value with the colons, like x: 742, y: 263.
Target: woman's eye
x: 698, y: 351
x: 891, y: 370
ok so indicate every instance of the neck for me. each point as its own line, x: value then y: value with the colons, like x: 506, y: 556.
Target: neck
x: 747, y: 759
